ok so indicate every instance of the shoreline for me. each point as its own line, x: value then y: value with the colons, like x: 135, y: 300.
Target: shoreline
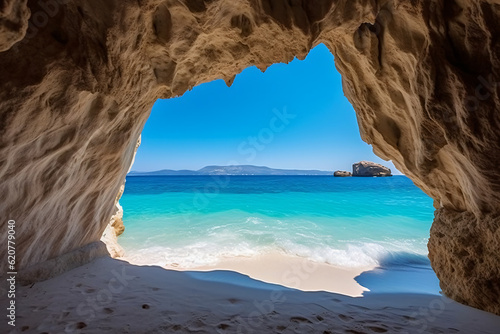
x: 289, y: 271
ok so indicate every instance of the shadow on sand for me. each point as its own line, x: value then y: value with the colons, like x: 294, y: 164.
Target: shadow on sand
x: 112, y: 296
x: 401, y: 273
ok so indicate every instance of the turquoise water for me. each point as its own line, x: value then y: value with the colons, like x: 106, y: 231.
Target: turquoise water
x: 350, y: 222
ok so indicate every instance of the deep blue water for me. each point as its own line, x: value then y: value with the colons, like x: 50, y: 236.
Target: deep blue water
x: 350, y: 222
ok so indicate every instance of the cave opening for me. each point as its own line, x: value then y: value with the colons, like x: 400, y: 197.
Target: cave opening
x: 196, y: 197
x: 76, y: 95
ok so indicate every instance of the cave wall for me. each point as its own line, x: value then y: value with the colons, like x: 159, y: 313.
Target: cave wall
x: 79, y: 79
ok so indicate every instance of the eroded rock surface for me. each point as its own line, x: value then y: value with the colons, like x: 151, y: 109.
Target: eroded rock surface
x: 76, y: 91
x: 368, y: 168
x: 465, y: 248
x: 113, y: 230
x: 13, y: 22
x: 115, y: 227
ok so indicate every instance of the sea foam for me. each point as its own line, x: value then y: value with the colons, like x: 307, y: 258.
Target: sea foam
x: 360, y: 222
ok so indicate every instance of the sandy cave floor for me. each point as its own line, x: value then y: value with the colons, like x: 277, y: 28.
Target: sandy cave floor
x: 112, y: 296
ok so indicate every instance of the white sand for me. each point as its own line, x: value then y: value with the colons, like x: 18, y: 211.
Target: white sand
x: 294, y: 272
x: 111, y: 296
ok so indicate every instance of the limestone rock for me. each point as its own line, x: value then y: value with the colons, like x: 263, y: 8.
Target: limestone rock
x: 115, y: 226
x: 77, y: 90
x: 368, y: 168
x: 342, y: 173
x: 464, y: 252
x: 13, y: 22
x: 110, y: 238
x: 117, y: 220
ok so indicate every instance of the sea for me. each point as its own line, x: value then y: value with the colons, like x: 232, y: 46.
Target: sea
x: 354, y: 222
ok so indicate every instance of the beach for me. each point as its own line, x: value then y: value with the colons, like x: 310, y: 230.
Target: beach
x: 113, y: 296
x: 199, y: 221
x: 295, y: 272
x: 259, y: 255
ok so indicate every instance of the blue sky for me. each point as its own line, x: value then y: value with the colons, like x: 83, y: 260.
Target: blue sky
x: 293, y: 116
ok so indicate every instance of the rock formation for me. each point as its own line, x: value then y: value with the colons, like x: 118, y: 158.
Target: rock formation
x: 14, y: 16
x: 368, y: 168
x: 79, y: 80
x: 113, y: 230
x: 115, y: 227
x: 342, y: 173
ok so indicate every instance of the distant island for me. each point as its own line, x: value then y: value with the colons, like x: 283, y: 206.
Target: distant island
x: 231, y: 170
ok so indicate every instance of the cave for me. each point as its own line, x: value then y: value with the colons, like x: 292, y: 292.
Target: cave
x: 79, y: 79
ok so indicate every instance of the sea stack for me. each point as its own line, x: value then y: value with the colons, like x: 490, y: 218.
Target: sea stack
x: 342, y: 173
x: 368, y: 168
